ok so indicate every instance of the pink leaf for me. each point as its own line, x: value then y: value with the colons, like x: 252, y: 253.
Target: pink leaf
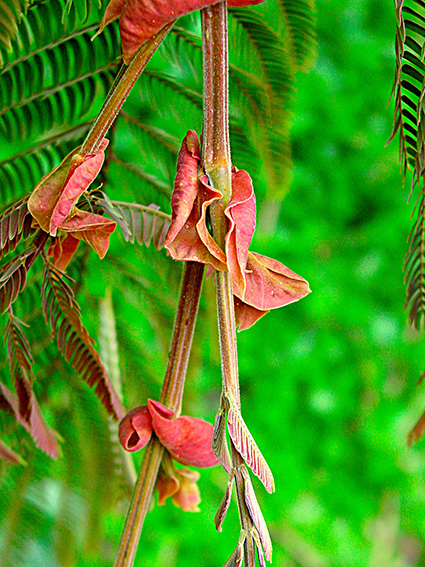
x: 142, y: 19
x: 188, y: 237
x: 79, y: 179
x: 62, y: 250
x: 44, y: 436
x: 246, y: 315
x: 270, y: 284
x: 188, y: 439
x: 47, y: 192
x: 135, y: 429
x: 95, y: 230
x: 58, y: 191
x: 241, y: 214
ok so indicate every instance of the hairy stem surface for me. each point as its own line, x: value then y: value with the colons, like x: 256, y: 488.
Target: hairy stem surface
x: 171, y: 396
x: 217, y: 164
x: 119, y: 91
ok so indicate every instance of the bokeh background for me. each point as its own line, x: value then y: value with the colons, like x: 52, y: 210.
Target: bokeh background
x: 328, y: 384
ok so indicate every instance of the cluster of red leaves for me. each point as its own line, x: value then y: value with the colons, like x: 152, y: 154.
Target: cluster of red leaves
x: 188, y: 440
x: 142, y: 19
x: 52, y: 204
x: 259, y: 283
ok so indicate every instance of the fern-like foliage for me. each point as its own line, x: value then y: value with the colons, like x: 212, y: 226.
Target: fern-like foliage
x: 409, y: 122
x: 15, y: 225
x: 13, y: 274
x: 62, y: 313
x: 25, y: 405
x: 10, y: 15
x: 139, y: 223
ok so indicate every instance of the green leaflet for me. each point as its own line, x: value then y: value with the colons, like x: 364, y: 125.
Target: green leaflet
x: 10, y: 15
x: 139, y: 223
x: 62, y: 313
x: 409, y: 123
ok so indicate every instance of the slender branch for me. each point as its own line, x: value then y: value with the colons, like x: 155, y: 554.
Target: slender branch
x: 171, y: 396
x: 217, y: 164
x: 120, y: 89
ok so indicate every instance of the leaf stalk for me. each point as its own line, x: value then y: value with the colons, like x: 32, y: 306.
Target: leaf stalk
x: 217, y: 165
x: 119, y: 91
x: 171, y: 396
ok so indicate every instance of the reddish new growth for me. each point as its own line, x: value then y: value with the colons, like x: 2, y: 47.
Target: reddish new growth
x: 188, y: 440
x: 142, y: 19
x: 52, y: 204
x: 259, y: 283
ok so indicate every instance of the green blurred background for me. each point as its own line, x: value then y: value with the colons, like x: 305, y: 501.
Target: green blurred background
x: 328, y: 384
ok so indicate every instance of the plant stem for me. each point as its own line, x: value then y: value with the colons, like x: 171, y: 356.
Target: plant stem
x: 119, y: 91
x: 171, y: 396
x: 217, y: 164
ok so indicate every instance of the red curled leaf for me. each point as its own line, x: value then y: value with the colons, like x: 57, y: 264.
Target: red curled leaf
x: 61, y: 250
x: 241, y: 214
x: 57, y: 192
x: 94, y: 229
x: 246, y: 315
x: 188, y: 237
x: 270, y: 284
x: 142, y: 19
x: 135, y: 429
x: 188, y: 439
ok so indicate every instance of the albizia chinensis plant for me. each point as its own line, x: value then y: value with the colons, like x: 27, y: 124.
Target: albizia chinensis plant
x: 212, y: 224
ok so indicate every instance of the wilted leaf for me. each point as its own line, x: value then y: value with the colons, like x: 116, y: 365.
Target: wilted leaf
x: 188, y: 439
x: 135, y: 429
x: 142, y: 19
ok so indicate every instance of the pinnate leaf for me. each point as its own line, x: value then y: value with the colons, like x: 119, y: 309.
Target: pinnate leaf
x: 62, y: 312
x: 224, y: 505
x: 15, y: 225
x: 246, y: 446
x: 13, y: 274
x: 139, y: 223
x: 219, y: 443
x: 45, y: 438
x: 140, y: 20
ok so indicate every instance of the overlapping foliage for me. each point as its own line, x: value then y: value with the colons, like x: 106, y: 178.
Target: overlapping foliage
x: 53, y: 80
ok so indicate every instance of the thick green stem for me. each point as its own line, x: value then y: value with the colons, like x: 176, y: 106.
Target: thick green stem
x: 217, y: 164
x: 171, y: 396
x: 120, y: 90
